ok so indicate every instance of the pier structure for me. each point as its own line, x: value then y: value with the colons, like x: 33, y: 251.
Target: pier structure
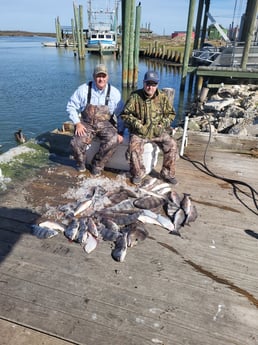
x: 100, y: 36
x: 197, y: 288
x: 238, y: 60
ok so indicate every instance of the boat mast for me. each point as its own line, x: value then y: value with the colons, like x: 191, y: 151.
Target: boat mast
x: 103, y: 18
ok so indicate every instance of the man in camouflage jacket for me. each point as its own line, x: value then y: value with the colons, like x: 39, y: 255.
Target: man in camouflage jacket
x: 148, y: 114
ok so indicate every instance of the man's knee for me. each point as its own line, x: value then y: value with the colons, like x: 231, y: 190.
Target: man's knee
x: 112, y: 140
x: 73, y: 143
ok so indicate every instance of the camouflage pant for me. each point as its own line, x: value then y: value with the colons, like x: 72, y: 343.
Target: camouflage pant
x: 167, y: 145
x: 107, y: 135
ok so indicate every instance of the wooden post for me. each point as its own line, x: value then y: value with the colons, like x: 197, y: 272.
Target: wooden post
x: 188, y: 40
x: 76, y: 21
x: 180, y: 58
x: 170, y: 93
x: 150, y: 49
x: 245, y: 22
x: 131, y: 46
x: 58, y: 32
x: 77, y: 28
x: 126, y: 13
x: 82, y: 41
x: 198, y: 25
x: 57, y: 38
x: 205, y: 20
x: 73, y: 34
x: 156, y: 45
x: 173, y: 54
x: 136, y: 45
x: 176, y: 56
x: 163, y: 51
x: 169, y: 54
x: 251, y: 18
x: 199, y: 84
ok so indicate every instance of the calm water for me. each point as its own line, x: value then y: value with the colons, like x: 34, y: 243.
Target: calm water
x: 36, y: 83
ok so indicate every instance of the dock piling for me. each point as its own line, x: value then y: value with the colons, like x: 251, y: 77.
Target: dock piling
x: 78, y: 30
x: 130, y: 47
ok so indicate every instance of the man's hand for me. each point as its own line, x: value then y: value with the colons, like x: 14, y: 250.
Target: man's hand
x: 80, y: 130
x: 120, y: 138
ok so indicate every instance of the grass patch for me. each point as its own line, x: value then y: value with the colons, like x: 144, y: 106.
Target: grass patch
x: 23, y: 165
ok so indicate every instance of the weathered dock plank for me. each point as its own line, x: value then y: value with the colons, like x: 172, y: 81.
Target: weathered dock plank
x: 200, y: 288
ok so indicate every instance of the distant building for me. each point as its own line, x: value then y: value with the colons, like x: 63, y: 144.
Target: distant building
x: 213, y: 33
x: 180, y: 34
x: 143, y: 31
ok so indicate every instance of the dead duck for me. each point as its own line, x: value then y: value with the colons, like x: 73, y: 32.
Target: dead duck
x: 20, y: 137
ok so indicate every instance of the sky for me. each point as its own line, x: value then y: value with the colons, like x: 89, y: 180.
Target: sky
x: 163, y: 16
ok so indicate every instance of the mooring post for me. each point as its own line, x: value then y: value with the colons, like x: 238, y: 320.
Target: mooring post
x: 205, y: 21
x: 198, y: 25
x: 81, y: 31
x: 126, y: 13
x: 73, y: 34
x: 199, y: 84
x: 188, y: 40
x: 250, y: 27
x: 136, y: 45
x: 58, y: 32
x: 77, y: 29
x: 131, y: 45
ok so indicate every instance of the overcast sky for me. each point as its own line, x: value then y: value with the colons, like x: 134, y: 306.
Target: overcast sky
x: 164, y: 16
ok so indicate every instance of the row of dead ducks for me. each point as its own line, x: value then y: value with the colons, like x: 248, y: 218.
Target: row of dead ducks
x: 120, y: 216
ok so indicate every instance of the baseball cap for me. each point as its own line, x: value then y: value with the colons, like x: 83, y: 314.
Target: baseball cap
x: 100, y: 69
x: 151, y: 76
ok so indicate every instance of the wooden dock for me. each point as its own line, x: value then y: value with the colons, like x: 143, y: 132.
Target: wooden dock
x: 227, y: 72
x: 103, y: 51
x: 200, y: 289
x: 95, y: 50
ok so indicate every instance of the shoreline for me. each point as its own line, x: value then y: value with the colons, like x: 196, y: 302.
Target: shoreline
x: 25, y: 33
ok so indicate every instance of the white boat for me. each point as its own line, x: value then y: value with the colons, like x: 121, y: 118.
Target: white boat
x: 66, y: 44
x: 49, y: 44
x: 102, y: 27
x: 101, y: 39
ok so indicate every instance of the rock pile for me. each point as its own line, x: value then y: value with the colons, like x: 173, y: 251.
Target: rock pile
x: 232, y: 110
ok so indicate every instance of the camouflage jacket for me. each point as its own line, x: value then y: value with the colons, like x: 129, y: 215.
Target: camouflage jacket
x: 148, y: 117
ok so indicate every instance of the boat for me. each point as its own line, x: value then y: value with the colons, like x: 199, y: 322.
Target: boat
x: 229, y: 56
x: 102, y: 28
x: 232, y: 55
x: 101, y: 39
x: 65, y: 44
x: 49, y: 44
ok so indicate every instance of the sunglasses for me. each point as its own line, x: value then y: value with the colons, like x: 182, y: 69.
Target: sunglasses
x: 151, y: 83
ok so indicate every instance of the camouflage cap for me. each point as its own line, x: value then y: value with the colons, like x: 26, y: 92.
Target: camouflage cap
x: 100, y: 69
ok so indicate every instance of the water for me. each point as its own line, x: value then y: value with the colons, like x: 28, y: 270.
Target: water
x: 36, y: 83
